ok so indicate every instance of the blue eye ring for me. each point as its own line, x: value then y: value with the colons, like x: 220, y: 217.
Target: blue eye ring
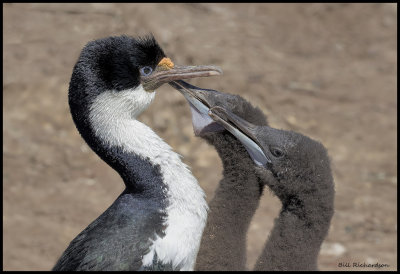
x: 146, y: 71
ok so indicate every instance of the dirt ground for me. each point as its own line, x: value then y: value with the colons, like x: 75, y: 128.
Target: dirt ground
x: 325, y: 70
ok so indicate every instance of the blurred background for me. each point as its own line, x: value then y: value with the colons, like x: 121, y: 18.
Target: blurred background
x: 325, y: 70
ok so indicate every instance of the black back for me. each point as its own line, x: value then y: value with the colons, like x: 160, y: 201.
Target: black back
x: 119, y: 237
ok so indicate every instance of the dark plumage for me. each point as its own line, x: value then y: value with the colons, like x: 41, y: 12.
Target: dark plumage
x: 302, y: 180
x: 297, y: 170
x: 223, y: 245
x: 117, y: 239
x: 298, y: 173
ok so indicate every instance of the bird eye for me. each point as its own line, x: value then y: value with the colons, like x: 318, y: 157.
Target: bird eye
x: 277, y: 152
x: 146, y: 71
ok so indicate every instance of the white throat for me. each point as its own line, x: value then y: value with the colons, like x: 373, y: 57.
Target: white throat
x: 113, y: 116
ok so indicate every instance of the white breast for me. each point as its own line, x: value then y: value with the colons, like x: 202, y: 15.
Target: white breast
x: 113, y: 116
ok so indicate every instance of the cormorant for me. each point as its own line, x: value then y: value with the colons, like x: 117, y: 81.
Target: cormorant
x: 157, y: 221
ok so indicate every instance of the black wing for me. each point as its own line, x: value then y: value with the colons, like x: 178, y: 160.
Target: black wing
x: 117, y: 240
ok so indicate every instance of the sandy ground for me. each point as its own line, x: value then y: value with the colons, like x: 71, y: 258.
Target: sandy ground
x: 325, y: 70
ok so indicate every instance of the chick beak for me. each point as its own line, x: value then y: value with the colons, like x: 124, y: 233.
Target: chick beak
x: 244, y: 131
x: 200, y: 102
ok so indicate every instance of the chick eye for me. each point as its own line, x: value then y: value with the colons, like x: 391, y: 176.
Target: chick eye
x: 146, y: 71
x: 277, y: 152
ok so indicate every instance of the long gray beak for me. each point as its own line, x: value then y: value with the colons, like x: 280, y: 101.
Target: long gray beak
x: 244, y: 131
x: 166, y: 72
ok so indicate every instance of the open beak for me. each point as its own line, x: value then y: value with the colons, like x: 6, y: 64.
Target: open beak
x: 206, y: 117
x: 200, y: 103
x: 244, y: 131
x: 166, y: 72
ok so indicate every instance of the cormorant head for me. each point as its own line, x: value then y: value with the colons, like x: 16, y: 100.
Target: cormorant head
x: 129, y: 70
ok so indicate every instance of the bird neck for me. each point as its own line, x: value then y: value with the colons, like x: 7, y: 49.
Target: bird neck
x: 298, y: 233
x: 231, y: 209
x: 114, y: 131
x: 234, y: 156
x: 240, y: 185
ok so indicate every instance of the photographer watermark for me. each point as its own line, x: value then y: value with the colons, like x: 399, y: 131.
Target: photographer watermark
x: 362, y: 265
